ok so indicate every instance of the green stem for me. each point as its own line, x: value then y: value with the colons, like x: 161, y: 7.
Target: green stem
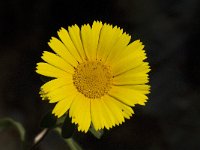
x: 72, y: 144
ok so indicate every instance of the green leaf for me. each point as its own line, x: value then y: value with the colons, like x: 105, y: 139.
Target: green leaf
x: 98, y: 134
x: 8, y: 122
x: 67, y: 128
x: 48, y: 121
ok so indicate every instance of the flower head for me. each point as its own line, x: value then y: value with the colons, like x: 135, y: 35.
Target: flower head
x: 98, y: 75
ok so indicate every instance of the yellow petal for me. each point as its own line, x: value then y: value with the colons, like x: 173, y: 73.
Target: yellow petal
x: 118, y: 47
x: 126, y: 110
x: 84, y: 117
x: 63, y: 106
x: 109, y: 116
x: 57, y: 61
x: 50, y: 71
x: 87, y: 39
x: 132, y: 60
x: 127, y: 95
x: 143, y: 68
x: 144, y: 89
x: 61, y: 93
x: 116, y: 111
x: 100, y: 116
x: 96, y: 119
x: 96, y: 29
x: 56, y: 83
x: 128, y: 79
x: 59, y: 48
x: 108, y: 38
x: 134, y: 46
x: 74, y: 33
x: 90, y: 38
x: 74, y: 107
x: 80, y: 112
x: 64, y: 36
x: 135, y: 76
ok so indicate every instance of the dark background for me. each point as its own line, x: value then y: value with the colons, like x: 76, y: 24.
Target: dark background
x: 168, y: 28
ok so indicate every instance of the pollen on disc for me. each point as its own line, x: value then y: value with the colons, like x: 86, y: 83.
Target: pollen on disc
x: 93, y: 79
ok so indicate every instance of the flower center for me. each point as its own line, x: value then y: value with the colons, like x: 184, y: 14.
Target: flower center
x: 93, y: 79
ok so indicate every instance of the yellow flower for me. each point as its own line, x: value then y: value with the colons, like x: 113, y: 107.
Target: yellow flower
x: 98, y: 75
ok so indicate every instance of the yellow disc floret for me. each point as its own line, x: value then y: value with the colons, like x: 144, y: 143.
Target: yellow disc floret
x: 93, y: 79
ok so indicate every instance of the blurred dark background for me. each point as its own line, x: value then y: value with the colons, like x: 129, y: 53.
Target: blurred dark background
x: 170, y: 31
